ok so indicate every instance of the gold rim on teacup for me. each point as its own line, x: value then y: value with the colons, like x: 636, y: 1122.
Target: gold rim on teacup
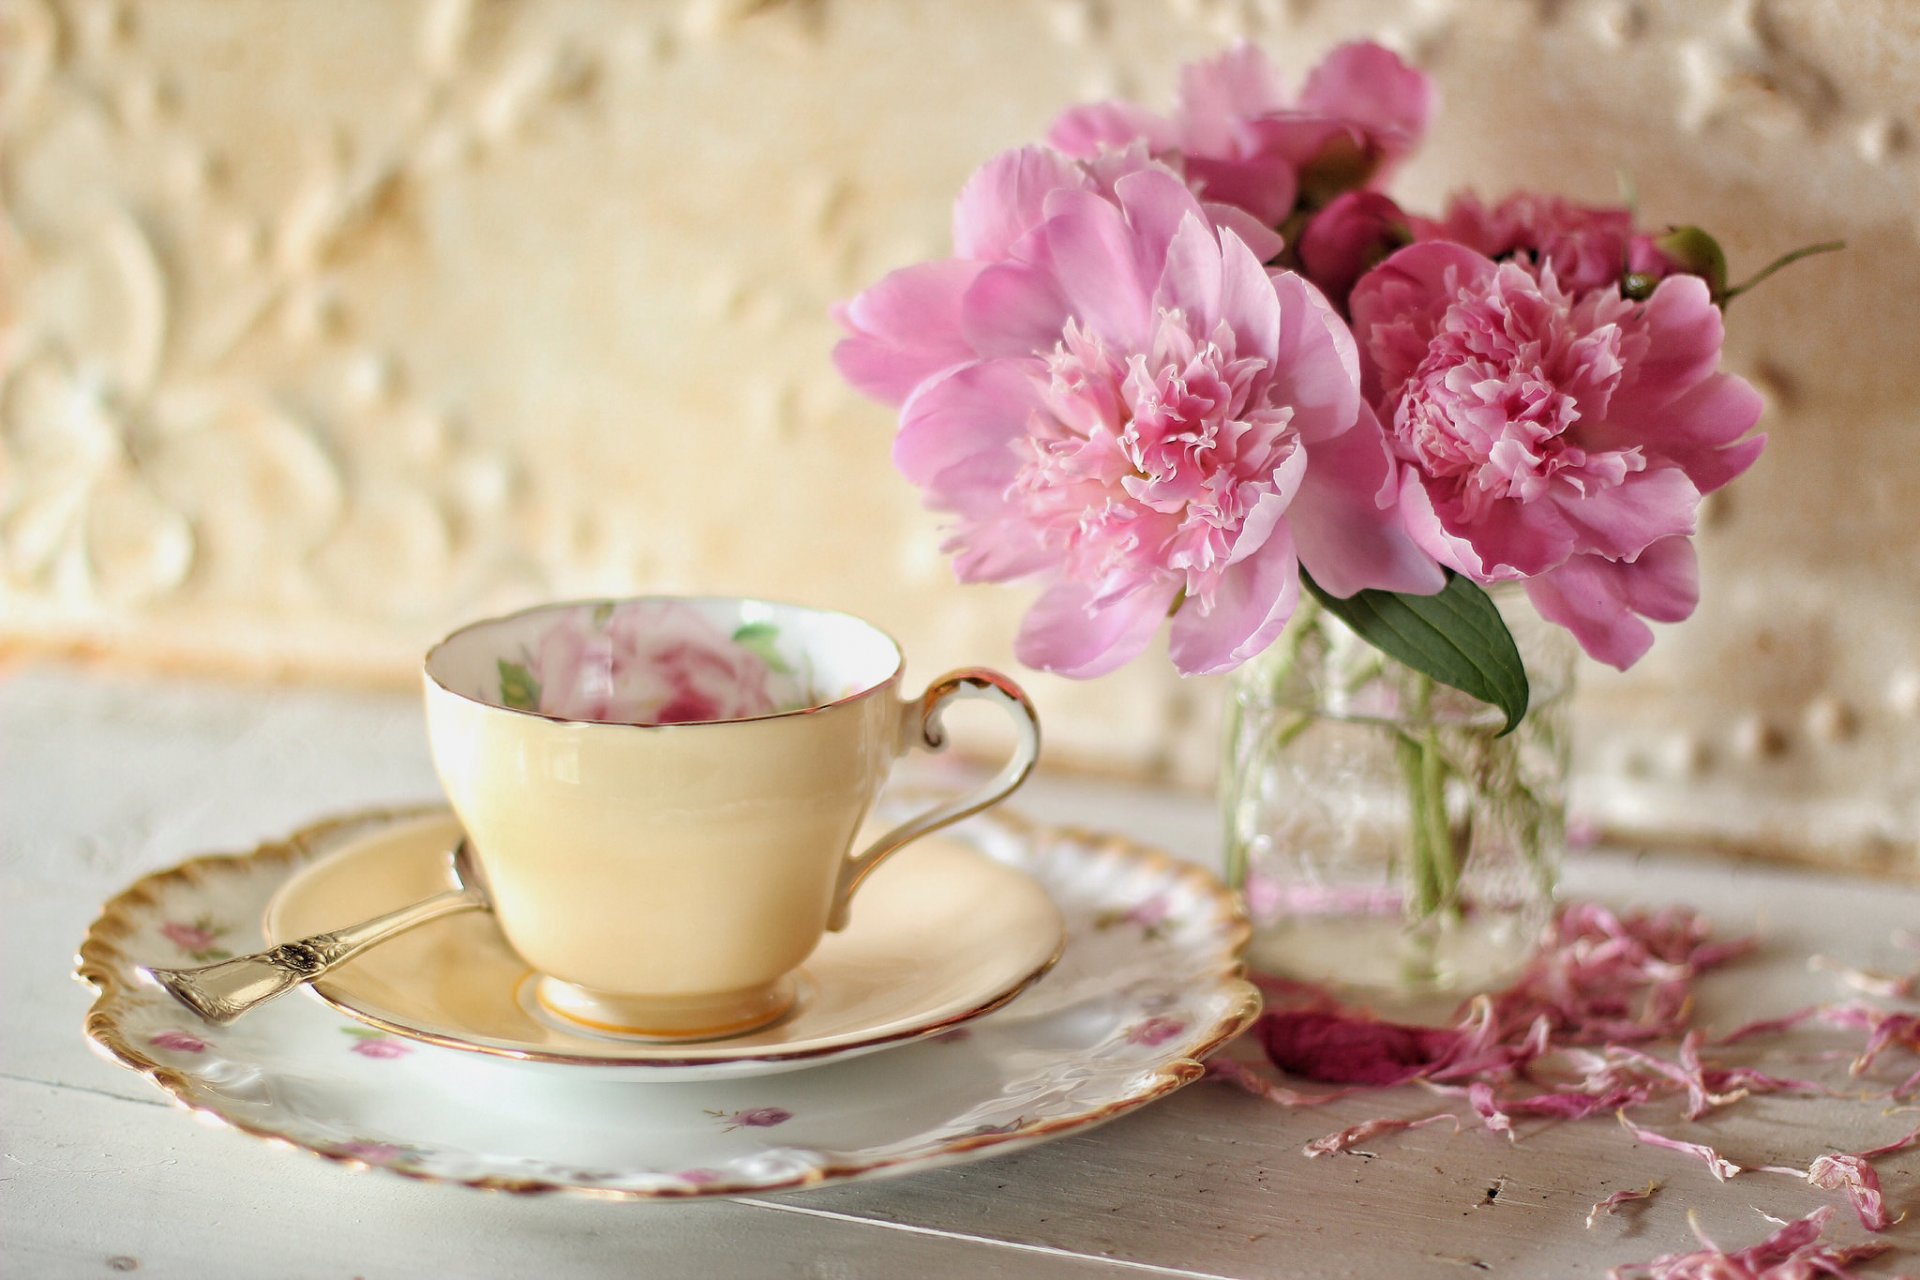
x: 664, y: 793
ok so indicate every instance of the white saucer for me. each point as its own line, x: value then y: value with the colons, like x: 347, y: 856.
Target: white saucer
x: 939, y: 936
x: 1148, y: 985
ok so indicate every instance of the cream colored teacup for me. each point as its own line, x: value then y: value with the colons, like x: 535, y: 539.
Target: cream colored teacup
x: 664, y: 793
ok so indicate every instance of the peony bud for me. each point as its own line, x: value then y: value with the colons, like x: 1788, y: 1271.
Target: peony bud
x: 1346, y: 162
x: 1350, y: 237
x: 1694, y: 252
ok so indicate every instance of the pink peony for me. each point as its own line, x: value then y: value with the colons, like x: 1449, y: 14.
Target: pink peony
x: 1555, y: 437
x: 652, y: 663
x: 1349, y: 238
x: 1135, y: 410
x: 1241, y: 141
x: 1588, y: 247
x: 910, y: 327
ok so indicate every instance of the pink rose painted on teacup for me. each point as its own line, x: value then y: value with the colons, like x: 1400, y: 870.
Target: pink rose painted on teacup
x: 653, y: 662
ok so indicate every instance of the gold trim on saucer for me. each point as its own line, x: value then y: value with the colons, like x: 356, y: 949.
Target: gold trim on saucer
x: 103, y: 965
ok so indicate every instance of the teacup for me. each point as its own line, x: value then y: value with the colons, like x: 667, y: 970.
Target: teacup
x: 663, y: 794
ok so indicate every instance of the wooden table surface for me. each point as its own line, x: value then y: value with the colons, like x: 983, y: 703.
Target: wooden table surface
x: 105, y: 778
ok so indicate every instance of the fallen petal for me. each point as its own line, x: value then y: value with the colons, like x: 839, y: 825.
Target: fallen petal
x: 1612, y: 1203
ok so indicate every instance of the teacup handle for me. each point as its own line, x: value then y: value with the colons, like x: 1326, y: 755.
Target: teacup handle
x: 921, y: 725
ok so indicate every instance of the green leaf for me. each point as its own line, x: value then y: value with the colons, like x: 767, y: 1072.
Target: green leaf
x: 1457, y: 636
x: 602, y: 613
x: 758, y: 638
x: 518, y: 688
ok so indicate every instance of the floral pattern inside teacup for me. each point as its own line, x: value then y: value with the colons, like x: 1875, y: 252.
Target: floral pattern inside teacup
x: 653, y: 662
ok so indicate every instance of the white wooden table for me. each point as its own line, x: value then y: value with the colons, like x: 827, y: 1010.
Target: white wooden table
x: 105, y: 778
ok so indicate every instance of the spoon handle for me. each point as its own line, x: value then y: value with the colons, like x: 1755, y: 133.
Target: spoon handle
x: 224, y: 991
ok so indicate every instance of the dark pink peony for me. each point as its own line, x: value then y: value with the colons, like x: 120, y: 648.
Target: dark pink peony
x: 1240, y: 139
x: 1110, y: 393
x: 1587, y: 247
x: 1552, y: 436
x: 1349, y: 238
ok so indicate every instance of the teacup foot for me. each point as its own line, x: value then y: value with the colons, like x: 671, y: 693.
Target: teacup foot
x: 662, y: 1019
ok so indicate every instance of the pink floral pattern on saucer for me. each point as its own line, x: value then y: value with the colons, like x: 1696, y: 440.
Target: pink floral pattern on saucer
x: 755, y: 1118
x: 1148, y: 917
x: 369, y: 1043
x: 652, y: 662
x: 1117, y: 1023
x: 1155, y: 1030
x: 198, y: 940
x: 178, y: 1041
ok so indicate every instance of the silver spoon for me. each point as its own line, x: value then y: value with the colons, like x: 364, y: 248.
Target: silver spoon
x: 224, y: 991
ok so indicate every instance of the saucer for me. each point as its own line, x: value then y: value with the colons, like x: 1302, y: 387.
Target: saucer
x: 939, y: 935
x: 1148, y: 984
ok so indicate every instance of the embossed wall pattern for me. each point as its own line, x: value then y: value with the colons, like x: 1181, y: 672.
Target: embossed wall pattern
x: 328, y: 322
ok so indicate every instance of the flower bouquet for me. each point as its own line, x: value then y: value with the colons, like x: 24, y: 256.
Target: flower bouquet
x: 1199, y: 367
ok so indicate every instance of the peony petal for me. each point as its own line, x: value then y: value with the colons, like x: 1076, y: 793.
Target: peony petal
x: 1701, y: 430
x: 1396, y: 305
x: 1337, y: 1047
x: 1157, y: 204
x: 1249, y: 303
x: 1066, y: 632
x: 1574, y: 597
x: 1083, y: 131
x: 1006, y: 198
x: 1370, y: 86
x: 1265, y: 242
x: 979, y: 408
x: 1345, y: 527
x: 1600, y: 600
x: 1264, y: 184
x: 1251, y: 605
x: 1191, y: 280
x: 1105, y: 279
x: 1219, y: 93
x: 1318, y: 368
x: 1012, y: 309
x: 1272, y: 508
x: 1664, y: 583
x: 905, y: 329
x: 1430, y: 533
x: 1684, y: 335
x: 986, y: 546
x: 1621, y: 521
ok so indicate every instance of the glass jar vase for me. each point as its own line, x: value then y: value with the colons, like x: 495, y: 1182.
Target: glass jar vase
x: 1386, y: 836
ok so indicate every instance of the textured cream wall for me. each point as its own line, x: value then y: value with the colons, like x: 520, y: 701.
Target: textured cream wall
x: 332, y: 321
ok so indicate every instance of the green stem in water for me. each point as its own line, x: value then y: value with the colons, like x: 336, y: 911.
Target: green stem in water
x: 1433, y: 866
x: 1423, y: 894
x: 1234, y: 866
x: 1278, y: 671
x: 1433, y: 782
